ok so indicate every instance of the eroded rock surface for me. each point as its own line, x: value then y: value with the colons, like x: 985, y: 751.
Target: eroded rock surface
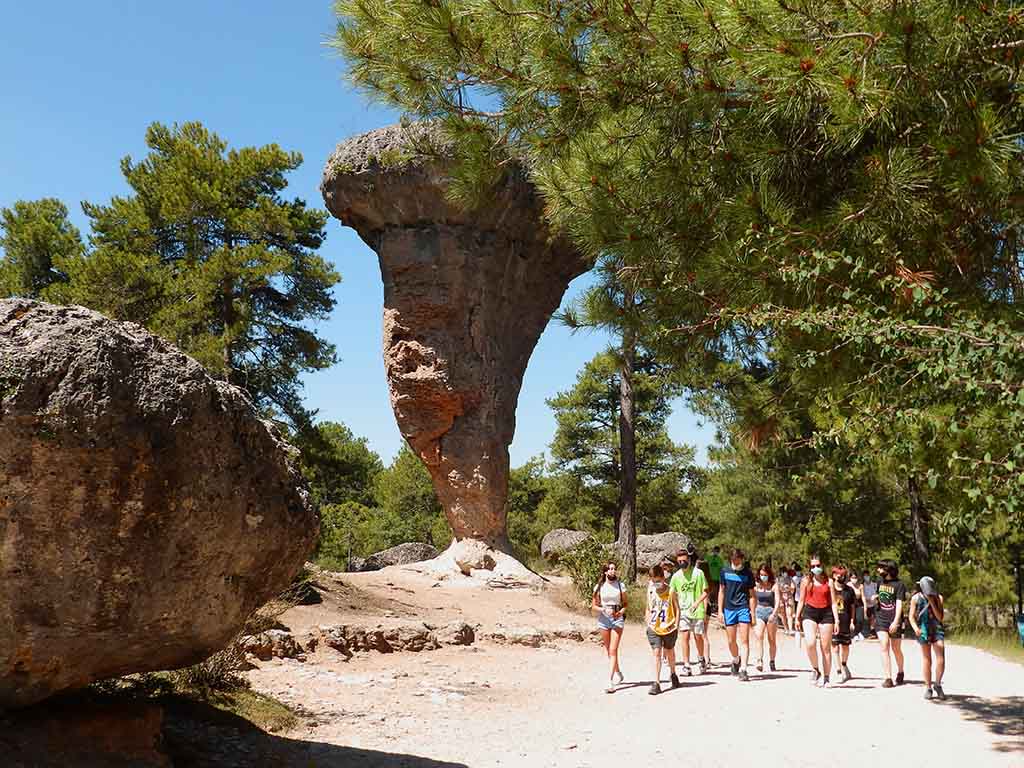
x: 561, y: 540
x: 402, y: 554
x: 145, y: 509
x: 466, y: 296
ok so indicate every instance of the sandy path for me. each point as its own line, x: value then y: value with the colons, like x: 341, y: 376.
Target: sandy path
x: 496, y: 706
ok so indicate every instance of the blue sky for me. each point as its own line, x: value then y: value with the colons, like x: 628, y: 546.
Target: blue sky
x: 83, y: 80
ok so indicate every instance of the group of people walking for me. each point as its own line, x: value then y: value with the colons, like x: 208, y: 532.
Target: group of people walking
x: 829, y: 608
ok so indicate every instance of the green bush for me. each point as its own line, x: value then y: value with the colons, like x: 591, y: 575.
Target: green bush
x: 584, y: 563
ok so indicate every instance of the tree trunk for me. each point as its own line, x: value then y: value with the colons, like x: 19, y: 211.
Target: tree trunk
x: 918, y: 522
x: 627, y: 448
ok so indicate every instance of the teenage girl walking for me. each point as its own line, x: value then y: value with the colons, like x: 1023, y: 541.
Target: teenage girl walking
x: 610, y: 605
x: 892, y: 594
x: 817, y: 612
x: 662, y: 626
x: 769, y: 601
x: 846, y: 604
x: 927, y: 612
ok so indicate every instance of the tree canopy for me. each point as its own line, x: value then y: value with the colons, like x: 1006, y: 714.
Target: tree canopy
x: 36, y: 236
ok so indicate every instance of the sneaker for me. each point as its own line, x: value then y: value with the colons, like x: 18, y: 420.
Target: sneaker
x: 703, y: 667
x: 654, y: 690
x: 899, y: 678
x: 744, y: 677
x: 846, y: 674
x: 771, y: 665
x: 610, y: 688
x: 928, y: 694
x: 685, y: 671
x: 760, y: 666
x: 939, y: 693
x: 887, y: 683
x: 621, y: 677
x: 825, y: 683
x: 675, y: 680
x: 734, y: 668
x: 815, y: 676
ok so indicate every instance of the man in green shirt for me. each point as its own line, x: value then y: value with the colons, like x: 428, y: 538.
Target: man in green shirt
x: 691, y: 588
x: 715, y: 564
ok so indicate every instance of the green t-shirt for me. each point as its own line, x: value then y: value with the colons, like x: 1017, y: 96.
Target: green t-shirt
x: 689, y: 586
x: 715, y: 564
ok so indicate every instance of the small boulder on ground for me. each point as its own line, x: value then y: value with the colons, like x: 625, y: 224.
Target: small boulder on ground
x: 403, y: 554
x: 555, y: 543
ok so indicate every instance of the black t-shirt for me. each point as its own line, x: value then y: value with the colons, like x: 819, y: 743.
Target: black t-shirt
x: 888, y: 593
x: 846, y: 599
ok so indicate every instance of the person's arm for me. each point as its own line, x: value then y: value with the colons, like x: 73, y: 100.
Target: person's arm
x: 800, y: 600
x: 913, y: 618
x: 704, y: 595
x: 778, y: 601
x: 624, y: 597
x: 721, y: 601
x: 835, y: 602
x: 940, y: 608
x: 595, y: 604
x: 896, y: 618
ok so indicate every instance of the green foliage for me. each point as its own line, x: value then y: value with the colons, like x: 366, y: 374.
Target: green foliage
x: 409, y: 509
x: 586, y: 441
x: 584, y: 563
x: 338, y: 466
x: 206, y: 252
x: 35, y: 237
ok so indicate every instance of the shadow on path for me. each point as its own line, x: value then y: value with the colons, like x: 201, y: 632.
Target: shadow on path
x: 1003, y: 716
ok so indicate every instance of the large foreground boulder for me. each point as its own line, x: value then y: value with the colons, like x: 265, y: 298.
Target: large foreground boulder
x: 145, y: 509
x: 403, y: 554
x: 467, y: 294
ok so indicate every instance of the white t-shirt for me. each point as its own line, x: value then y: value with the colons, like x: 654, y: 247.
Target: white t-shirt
x: 870, y: 594
x: 611, y: 593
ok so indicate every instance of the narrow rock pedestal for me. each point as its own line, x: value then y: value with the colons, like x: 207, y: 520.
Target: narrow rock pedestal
x: 466, y: 297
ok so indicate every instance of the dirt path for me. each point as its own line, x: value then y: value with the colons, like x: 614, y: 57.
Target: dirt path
x: 490, y: 705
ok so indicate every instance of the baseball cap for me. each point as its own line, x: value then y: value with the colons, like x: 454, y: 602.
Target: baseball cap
x: 927, y: 585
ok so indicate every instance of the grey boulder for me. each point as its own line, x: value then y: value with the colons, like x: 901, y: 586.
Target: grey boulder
x: 403, y: 554
x: 559, y: 541
x: 145, y: 508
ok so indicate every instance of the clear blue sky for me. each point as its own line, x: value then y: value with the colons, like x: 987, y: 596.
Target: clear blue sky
x: 83, y: 80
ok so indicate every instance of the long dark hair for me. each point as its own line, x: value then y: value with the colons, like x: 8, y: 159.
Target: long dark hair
x: 767, y: 569
x: 604, y: 575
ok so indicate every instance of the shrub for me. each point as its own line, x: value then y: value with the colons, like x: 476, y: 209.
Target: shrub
x: 584, y: 563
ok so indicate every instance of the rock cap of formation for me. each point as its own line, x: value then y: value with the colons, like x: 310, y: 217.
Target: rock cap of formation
x: 145, y: 508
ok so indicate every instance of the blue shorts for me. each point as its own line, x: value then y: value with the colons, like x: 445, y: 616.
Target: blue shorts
x: 737, y: 616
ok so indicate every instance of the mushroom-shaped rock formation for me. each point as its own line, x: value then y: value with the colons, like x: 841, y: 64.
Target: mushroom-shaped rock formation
x: 145, y: 508
x: 467, y: 294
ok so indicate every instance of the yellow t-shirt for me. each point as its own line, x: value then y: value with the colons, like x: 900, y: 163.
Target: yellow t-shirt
x: 661, y: 611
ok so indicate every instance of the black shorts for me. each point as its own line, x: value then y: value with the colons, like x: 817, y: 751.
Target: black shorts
x: 841, y: 638
x: 818, y: 615
x: 883, y: 623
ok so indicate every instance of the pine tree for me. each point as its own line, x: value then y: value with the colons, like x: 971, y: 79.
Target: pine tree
x: 206, y: 252
x: 35, y: 236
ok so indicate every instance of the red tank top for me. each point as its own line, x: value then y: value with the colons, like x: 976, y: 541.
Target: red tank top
x: 818, y: 595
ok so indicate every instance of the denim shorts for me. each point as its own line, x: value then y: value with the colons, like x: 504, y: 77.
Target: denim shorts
x: 764, y: 612
x: 605, y: 621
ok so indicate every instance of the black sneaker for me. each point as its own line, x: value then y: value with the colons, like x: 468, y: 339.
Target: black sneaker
x: 815, y: 675
x: 675, y: 680
x: 846, y: 676
x: 654, y: 690
x: 928, y: 694
x: 734, y: 668
x: 939, y: 693
x: 771, y: 666
x: 899, y: 678
x: 703, y: 667
x: 744, y: 677
x: 685, y: 671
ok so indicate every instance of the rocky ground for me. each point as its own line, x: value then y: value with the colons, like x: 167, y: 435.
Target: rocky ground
x: 528, y: 691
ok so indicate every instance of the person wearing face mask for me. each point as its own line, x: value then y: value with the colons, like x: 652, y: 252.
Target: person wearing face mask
x: 846, y: 600
x: 927, y: 612
x: 892, y: 594
x: 609, y: 603
x: 869, y: 590
x: 785, y: 582
x: 769, y: 600
x: 691, y: 590
x: 662, y: 626
x: 817, y: 611
x: 857, y: 629
x: 736, y: 608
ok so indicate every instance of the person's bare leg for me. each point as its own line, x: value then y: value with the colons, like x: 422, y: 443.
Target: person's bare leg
x: 897, y: 651
x: 684, y: 638
x: 759, y: 631
x: 826, y: 648
x: 811, y: 643
x: 883, y: 645
x: 616, y: 639
x: 698, y: 640
x: 657, y: 665
x: 940, y: 661
x: 734, y: 651
x: 707, y: 640
x: 744, y: 649
x: 773, y: 630
x: 926, y: 664
x: 671, y: 654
